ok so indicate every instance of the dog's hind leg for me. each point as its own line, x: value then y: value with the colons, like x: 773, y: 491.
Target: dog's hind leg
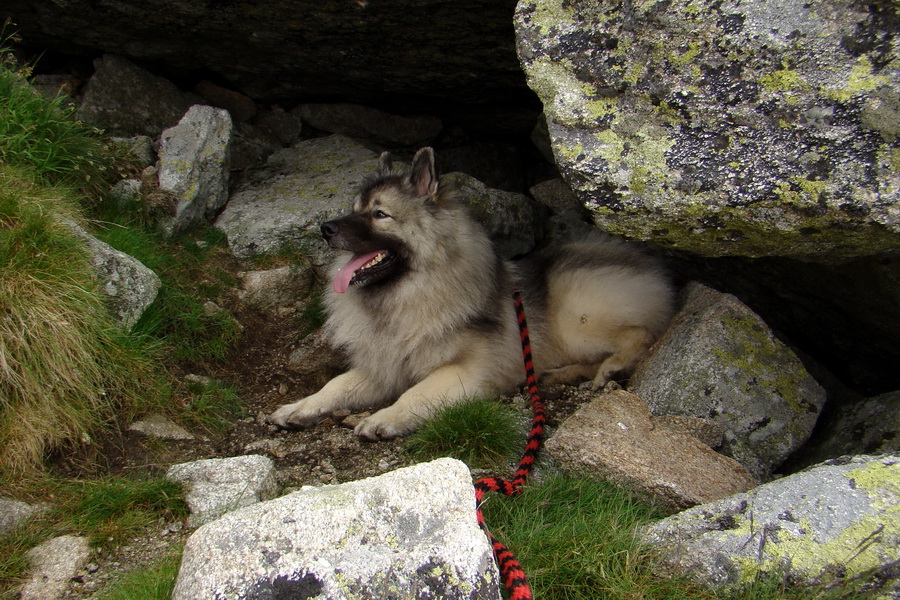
x: 352, y: 390
x: 445, y: 385
x: 631, y: 344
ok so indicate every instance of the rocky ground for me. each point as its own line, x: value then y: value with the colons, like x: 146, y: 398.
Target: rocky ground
x: 260, y: 369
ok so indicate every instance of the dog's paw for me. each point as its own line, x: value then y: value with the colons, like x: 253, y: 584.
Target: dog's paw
x: 297, y: 416
x: 386, y: 424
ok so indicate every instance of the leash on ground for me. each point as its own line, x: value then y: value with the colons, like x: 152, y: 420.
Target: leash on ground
x: 511, y: 572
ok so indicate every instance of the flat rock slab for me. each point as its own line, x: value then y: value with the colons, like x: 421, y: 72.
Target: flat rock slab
x: 411, y: 533
x: 285, y: 203
x: 835, y: 522
x: 615, y: 437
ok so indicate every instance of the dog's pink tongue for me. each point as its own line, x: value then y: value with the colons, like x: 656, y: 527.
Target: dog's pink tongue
x: 342, y: 281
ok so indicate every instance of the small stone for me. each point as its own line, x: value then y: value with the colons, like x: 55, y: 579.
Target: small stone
x: 351, y: 421
x: 158, y: 426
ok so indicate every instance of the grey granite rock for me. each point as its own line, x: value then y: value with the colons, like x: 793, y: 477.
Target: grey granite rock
x: 719, y: 360
x: 750, y: 128
x: 396, y: 535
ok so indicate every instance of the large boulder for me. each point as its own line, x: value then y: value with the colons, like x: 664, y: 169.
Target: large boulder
x: 737, y: 128
x: 834, y: 524
x: 719, y: 360
x: 125, y: 99
x: 377, y: 53
x: 194, y: 158
x: 411, y: 533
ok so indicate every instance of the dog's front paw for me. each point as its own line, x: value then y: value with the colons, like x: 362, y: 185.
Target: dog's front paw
x: 297, y: 415
x: 386, y: 424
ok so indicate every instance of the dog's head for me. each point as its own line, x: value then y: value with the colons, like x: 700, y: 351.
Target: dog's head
x: 377, y: 231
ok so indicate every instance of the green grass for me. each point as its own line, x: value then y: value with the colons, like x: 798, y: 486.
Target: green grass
x: 115, y: 507
x: 40, y: 134
x: 313, y: 315
x: 481, y: 432
x: 107, y: 511
x: 575, y: 539
x: 178, y: 317
x: 65, y: 369
x: 156, y: 582
x: 212, y: 405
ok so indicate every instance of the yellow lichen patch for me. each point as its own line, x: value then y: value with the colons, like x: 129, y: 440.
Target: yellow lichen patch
x: 688, y: 55
x: 880, y: 479
x: 549, y: 14
x: 600, y: 106
x: 814, y: 189
x: 782, y: 80
x: 861, y: 79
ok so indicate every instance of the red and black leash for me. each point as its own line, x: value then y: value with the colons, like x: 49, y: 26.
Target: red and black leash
x: 514, y: 579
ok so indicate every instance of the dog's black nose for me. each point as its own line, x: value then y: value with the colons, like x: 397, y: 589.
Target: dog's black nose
x: 330, y: 229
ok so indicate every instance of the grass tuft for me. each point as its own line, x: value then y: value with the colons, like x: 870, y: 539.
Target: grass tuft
x: 213, y: 405
x: 575, y: 540
x: 481, y: 432
x: 111, y: 506
x: 42, y: 136
x: 108, y: 510
x: 65, y: 369
x: 156, y: 582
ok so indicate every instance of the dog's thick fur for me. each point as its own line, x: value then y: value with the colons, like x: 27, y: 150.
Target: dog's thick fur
x: 428, y: 318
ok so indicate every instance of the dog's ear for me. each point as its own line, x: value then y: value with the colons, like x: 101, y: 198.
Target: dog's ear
x: 423, y: 176
x: 385, y: 165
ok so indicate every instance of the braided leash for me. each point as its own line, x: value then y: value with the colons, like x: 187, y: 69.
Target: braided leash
x: 511, y: 572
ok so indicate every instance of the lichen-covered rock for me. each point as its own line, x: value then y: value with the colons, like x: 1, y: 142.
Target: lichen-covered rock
x: 283, y: 204
x: 752, y: 128
x: 511, y: 219
x: 867, y: 426
x: 194, y: 158
x: 719, y: 360
x: 615, y: 437
x: 394, y: 536
x: 836, y: 523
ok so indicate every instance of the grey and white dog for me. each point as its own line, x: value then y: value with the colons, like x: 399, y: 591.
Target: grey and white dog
x: 422, y: 305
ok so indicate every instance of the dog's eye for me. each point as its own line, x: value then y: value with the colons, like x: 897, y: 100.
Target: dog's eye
x: 380, y: 214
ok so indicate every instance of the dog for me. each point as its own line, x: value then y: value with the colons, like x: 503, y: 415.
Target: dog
x: 422, y: 305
